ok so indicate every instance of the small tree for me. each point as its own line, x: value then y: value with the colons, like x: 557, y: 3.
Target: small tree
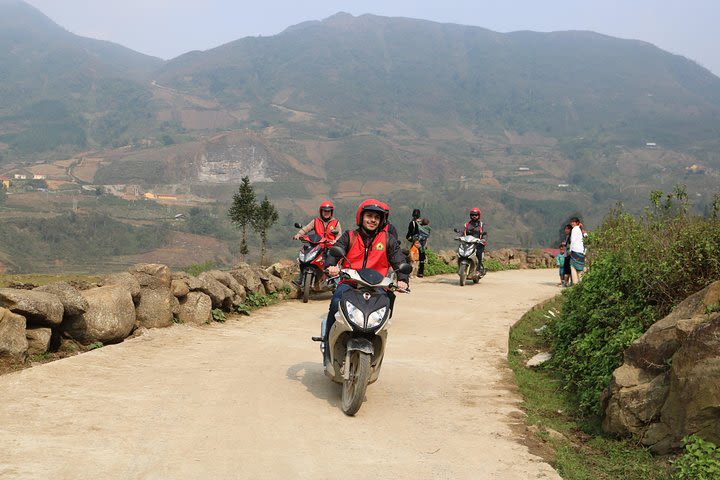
x: 266, y: 215
x: 243, y: 211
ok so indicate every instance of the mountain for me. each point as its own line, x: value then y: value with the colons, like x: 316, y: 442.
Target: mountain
x: 368, y: 71
x: 531, y: 127
x: 57, y: 88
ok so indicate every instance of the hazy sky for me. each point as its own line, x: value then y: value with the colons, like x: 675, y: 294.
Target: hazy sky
x: 167, y: 28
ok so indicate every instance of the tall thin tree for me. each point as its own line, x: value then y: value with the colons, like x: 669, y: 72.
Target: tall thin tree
x: 266, y: 216
x: 242, y: 211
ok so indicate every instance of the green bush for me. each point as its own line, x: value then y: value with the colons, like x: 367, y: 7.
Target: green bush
x: 701, y: 460
x: 639, y: 269
x: 197, y: 268
x: 218, y: 315
x: 434, y: 265
x: 493, y: 265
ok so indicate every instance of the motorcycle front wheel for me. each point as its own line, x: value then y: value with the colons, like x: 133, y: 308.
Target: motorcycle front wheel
x: 462, y: 271
x: 353, y: 390
x: 307, y: 285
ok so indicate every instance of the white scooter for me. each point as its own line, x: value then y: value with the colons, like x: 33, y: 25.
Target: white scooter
x: 467, y: 267
x: 357, y: 338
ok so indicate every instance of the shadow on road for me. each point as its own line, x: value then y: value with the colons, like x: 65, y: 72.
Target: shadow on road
x: 312, y: 376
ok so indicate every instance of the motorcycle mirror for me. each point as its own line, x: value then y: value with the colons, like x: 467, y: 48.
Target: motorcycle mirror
x: 297, y: 225
x: 405, y: 268
x: 456, y: 230
x: 337, y: 252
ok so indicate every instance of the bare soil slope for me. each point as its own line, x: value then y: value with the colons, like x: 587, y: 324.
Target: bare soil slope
x: 248, y: 399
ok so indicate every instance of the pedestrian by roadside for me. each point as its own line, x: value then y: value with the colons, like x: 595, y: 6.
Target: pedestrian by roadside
x: 560, y: 260
x: 423, y: 236
x: 577, y: 249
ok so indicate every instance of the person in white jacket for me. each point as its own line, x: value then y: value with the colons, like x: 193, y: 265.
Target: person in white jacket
x: 577, y: 249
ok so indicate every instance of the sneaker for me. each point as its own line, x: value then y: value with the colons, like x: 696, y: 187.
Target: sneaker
x: 420, y: 275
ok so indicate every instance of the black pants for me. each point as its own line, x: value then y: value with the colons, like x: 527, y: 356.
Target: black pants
x: 479, y: 252
x: 422, y: 257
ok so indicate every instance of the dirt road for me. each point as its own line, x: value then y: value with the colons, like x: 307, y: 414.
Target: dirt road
x: 248, y: 399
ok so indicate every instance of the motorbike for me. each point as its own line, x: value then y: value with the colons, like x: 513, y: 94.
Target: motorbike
x: 357, y: 338
x: 467, y: 265
x: 311, y: 260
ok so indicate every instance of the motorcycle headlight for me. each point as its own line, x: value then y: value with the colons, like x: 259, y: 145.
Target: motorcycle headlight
x: 356, y: 315
x: 376, y: 317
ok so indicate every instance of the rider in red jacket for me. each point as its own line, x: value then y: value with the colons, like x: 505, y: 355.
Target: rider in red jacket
x: 476, y: 228
x: 369, y: 246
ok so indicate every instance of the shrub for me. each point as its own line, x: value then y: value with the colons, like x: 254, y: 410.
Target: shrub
x: 197, y: 268
x: 640, y: 268
x: 218, y: 315
x: 493, y: 265
x: 701, y: 460
x: 434, y: 265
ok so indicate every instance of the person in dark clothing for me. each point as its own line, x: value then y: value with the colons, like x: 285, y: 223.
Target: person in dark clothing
x: 369, y: 246
x: 417, y: 232
x: 412, y: 232
x: 476, y: 228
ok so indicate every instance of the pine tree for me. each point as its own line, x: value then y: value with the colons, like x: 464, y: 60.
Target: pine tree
x: 243, y: 210
x: 266, y: 216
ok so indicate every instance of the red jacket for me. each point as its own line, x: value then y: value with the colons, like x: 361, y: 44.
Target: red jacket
x: 372, y: 256
x: 326, y: 230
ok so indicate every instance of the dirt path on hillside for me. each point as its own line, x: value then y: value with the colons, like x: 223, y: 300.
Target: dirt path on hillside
x: 248, y: 399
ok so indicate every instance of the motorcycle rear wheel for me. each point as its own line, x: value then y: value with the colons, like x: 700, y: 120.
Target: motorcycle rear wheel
x: 307, y: 284
x: 353, y: 390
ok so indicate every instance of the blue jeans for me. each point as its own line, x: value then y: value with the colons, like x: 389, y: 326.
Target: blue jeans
x: 334, y: 305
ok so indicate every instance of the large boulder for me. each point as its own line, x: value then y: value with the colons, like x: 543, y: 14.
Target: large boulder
x: 179, y: 288
x: 195, y: 308
x: 38, y: 340
x: 151, y: 275
x: 283, y: 270
x: 110, y: 316
x: 39, y: 308
x: 155, y: 307
x: 229, y: 281
x: 221, y: 296
x: 192, y: 282
x: 124, y: 279
x: 248, y: 278
x: 73, y: 302
x: 13, y: 342
x: 669, y: 383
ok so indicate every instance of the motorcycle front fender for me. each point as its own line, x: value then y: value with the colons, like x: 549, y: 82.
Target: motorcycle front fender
x: 360, y: 344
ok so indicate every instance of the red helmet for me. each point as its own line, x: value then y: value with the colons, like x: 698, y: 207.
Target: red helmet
x: 475, y: 211
x: 372, y: 205
x: 387, y: 209
x: 326, y: 206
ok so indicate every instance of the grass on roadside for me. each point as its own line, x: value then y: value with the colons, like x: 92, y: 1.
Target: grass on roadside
x: 582, y: 451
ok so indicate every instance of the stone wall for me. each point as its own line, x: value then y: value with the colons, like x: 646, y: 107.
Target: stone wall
x: 519, y: 258
x: 35, y: 321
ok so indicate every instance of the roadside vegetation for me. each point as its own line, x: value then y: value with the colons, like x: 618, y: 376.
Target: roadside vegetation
x: 640, y: 267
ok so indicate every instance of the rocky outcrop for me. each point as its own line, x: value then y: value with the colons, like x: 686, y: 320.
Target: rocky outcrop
x: 109, y: 318
x: 669, y: 384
